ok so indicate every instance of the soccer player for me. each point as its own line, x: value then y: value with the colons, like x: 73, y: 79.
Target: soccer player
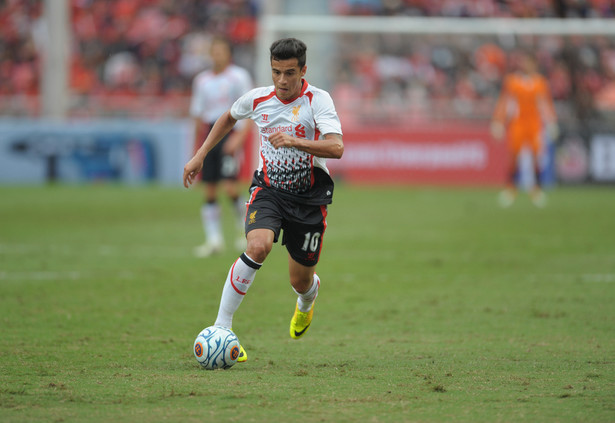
x: 525, y: 106
x: 299, y: 129
x: 213, y: 92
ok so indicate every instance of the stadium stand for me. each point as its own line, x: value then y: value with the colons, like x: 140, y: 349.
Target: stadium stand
x: 137, y: 58
x: 122, y: 51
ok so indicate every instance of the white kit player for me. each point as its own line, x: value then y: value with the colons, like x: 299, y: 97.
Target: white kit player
x: 213, y: 92
x: 299, y: 129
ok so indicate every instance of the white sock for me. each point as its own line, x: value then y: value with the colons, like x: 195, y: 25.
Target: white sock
x: 239, y: 279
x: 305, y: 300
x: 210, y: 217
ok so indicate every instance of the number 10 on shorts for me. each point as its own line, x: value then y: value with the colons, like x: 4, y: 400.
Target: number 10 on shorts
x: 311, y: 241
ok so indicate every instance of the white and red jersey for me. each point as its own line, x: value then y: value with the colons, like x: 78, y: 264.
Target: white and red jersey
x: 214, y: 93
x: 301, y: 175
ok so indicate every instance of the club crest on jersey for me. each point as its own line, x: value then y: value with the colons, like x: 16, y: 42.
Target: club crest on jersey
x: 265, y: 117
x: 295, y: 117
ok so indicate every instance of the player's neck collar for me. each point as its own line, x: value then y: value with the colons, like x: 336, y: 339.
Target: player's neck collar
x: 221, y: 71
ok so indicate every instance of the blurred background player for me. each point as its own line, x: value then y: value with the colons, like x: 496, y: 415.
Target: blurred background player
x: 524, y: 109
x: 213, y: 92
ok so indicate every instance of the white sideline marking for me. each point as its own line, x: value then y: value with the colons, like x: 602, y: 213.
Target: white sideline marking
x: 138, y: 251
x: 599, y: 277
x: 46, y: 275
x: 50, y: 275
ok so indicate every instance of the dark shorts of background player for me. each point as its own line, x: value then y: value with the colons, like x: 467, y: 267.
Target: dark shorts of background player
x: 304, y: 225
x: 218, y: 166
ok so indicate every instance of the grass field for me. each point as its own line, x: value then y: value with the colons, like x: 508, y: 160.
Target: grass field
x: 435, y: 306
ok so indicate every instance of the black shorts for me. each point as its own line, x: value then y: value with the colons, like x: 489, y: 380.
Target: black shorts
x: 218, y: 166
x: 304, y: 225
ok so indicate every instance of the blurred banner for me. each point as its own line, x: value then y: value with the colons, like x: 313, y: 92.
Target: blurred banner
x: 452, y: 154
x: 132, y: 152
x: 137, y: 152
x: 588, y: 158
x: 602, y: 163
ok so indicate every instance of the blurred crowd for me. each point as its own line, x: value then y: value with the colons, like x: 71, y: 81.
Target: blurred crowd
x: 138, y: 57
x: 123, y: 48
x: 479, y: 8
x: 448, y: 77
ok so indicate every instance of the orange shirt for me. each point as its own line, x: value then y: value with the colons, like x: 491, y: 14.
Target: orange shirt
x: 525, y: 101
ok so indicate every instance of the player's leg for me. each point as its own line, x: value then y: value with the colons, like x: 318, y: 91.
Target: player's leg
x: 537, y: 194
x: 512, y: 172
x: 304, y: 244
x: 230, y: 171
x: 263, y: 222
x: 240, y: 278
x: 210, y: 210
x: 306, y: 284
x: 509, y: 194
x: 242, y: 274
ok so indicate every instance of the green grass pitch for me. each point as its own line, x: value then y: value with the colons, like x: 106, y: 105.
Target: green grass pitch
x: 435, y: 306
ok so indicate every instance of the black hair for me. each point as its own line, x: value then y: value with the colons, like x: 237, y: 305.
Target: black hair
x: 289, y: 48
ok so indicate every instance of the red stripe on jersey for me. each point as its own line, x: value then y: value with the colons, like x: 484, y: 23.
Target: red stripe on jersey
x: 265, y: 169
x: 323, y: 210
x: 310, y: 95
x: 252, y: 197
x: 260, y: 100
x: 232, y: 284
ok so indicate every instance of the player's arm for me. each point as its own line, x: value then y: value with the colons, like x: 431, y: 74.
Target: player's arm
x: 238, y: 138
x: 498, y: 121
x: 199, y: 132
x: 331, y: 147
x: 242, y: 132
x: 223, y: 126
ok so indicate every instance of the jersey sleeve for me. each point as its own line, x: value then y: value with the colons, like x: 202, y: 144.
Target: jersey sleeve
x: 325, y: 116
x: 243, y: 85
x: 242, y: 107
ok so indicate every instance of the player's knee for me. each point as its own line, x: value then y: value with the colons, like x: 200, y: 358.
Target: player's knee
x: 258, y: 249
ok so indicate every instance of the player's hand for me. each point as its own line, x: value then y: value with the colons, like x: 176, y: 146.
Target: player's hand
x: 497, y: 130
x: 191, y: 170
x: 281, y: 139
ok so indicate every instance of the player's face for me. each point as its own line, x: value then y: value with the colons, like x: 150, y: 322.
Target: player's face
x: 220, y: 55
x: 286, y: 75
x: 527, y: 64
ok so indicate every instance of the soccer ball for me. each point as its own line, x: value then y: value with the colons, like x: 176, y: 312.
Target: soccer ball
x: 216, y: 348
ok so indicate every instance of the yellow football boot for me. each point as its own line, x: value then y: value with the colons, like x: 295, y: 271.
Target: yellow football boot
x: 300, y: 322
x: 243, y: 355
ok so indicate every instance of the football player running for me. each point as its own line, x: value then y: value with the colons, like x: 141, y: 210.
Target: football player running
x: 299, y: 129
